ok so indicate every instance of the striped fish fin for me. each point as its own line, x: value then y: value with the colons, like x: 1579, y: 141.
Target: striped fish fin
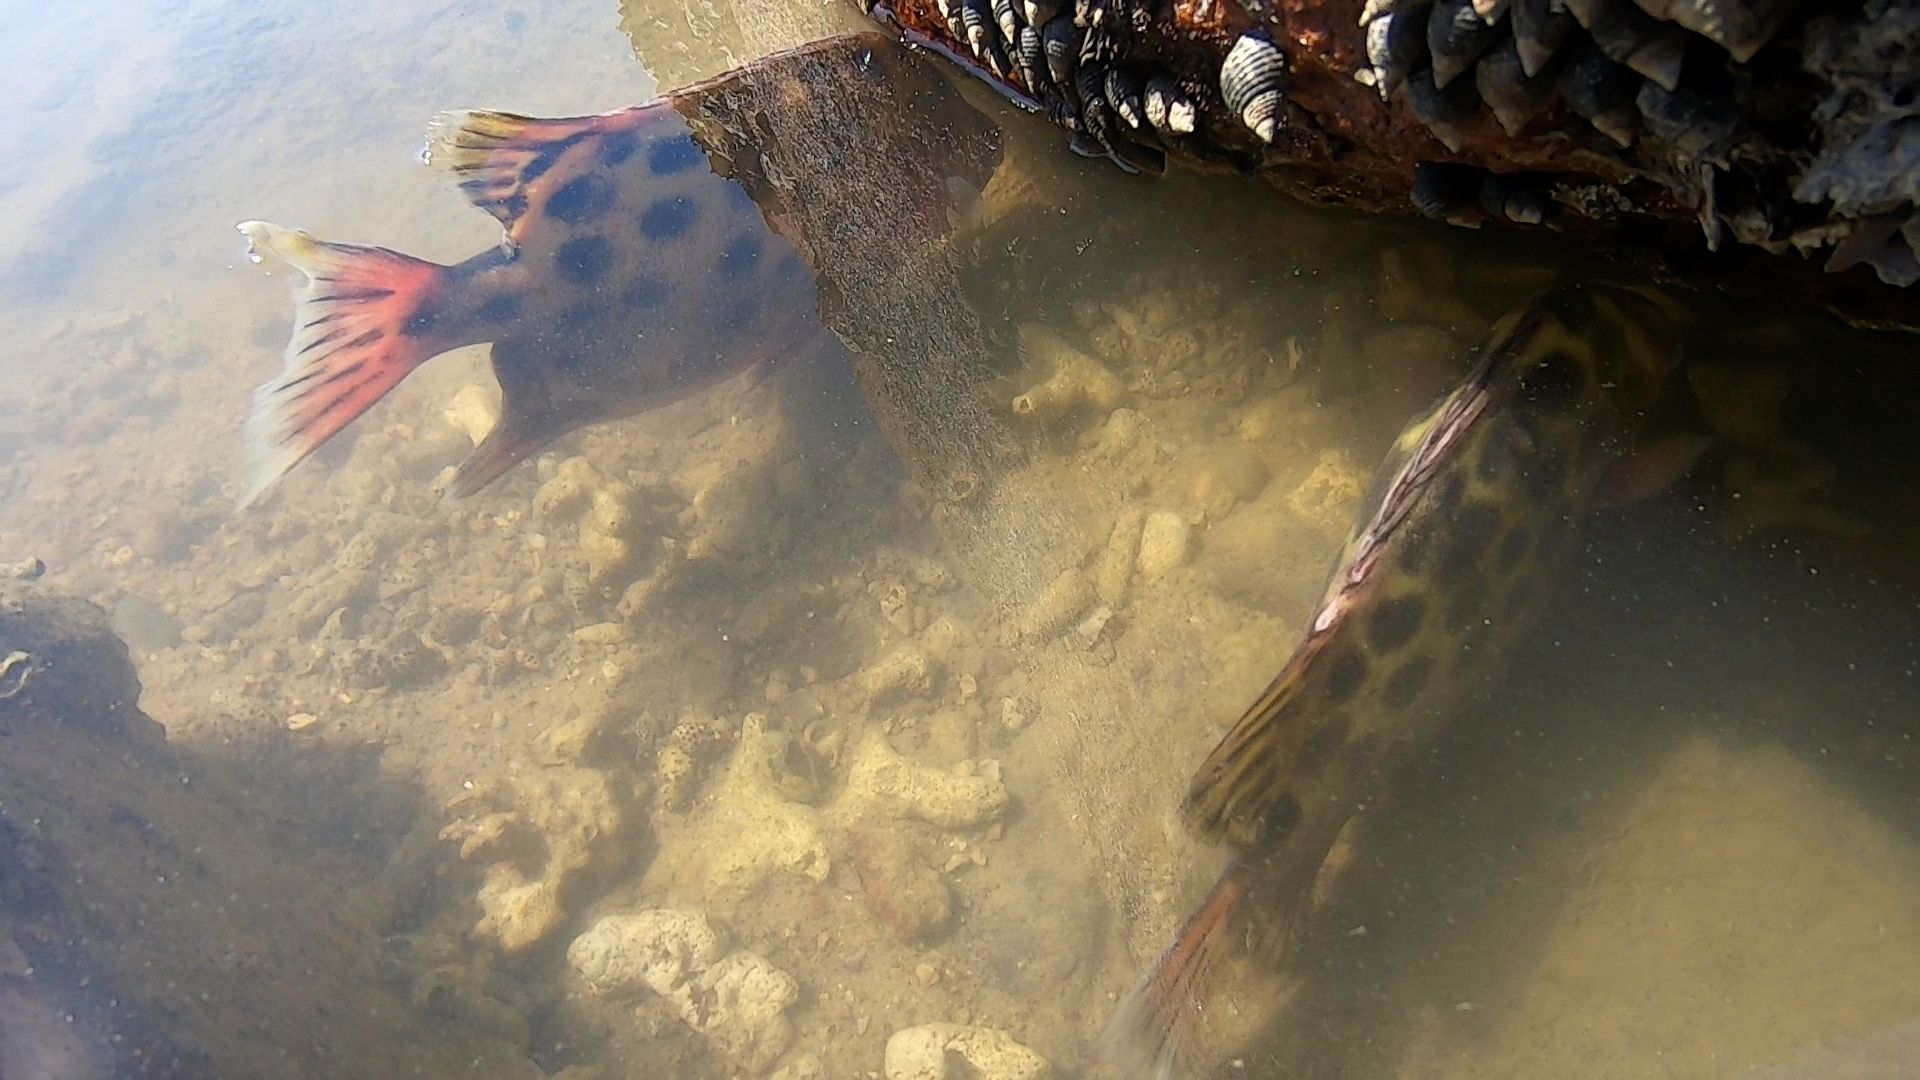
x: 1242, y: 779
x: 1157, y: 1019
x: 357, y: 331
x: 506, y: 164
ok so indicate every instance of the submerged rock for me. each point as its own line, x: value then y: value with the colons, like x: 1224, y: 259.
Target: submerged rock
x: 929, y: 1052
x: 737, y: 1000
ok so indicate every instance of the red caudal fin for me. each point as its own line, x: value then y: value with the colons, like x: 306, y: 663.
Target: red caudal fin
x: 1156, y: 1019
x: 352, y: 342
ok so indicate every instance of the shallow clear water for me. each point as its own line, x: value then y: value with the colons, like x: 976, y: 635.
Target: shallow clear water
x: 416, y: 748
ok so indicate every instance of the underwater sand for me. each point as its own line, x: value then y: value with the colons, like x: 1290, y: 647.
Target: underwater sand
x: 909, y: 777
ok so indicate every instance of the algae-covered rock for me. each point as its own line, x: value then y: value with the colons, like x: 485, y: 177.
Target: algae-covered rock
x: 59, y: 656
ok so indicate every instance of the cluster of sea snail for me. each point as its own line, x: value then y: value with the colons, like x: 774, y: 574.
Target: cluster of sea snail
x: 1064, y: 55
x: 1622, y: 65
x: 1780, y: 125
x: 1625, y: 67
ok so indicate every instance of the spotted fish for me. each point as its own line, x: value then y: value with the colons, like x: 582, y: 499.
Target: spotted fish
x: 1477, y: 505
x: 640, y: 262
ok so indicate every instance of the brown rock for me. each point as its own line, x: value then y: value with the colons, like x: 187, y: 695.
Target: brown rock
x: 906, y: 894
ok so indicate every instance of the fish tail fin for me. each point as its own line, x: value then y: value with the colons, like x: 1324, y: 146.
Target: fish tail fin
x: 1157, y: 1018
x: 358, y: 329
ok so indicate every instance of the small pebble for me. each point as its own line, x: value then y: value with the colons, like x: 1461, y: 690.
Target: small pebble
x: 1163, y: 544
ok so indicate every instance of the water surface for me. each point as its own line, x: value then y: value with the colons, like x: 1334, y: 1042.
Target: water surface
x: 1677, y: 838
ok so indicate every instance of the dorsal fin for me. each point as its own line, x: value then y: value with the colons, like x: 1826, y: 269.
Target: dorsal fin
x: 505, y: 162
x: 1241, y: 779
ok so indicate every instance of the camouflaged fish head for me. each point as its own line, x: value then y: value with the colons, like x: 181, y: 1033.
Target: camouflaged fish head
x: 642, y: 260
x: 1475, y: 511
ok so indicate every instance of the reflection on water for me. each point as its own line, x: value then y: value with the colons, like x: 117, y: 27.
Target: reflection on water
x: 712, y: 742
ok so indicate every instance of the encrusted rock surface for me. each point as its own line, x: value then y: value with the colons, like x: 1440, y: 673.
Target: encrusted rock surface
x: 1750, y: 124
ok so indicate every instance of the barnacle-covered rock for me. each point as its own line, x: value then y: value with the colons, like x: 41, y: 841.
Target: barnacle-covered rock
x: 1802, y: 112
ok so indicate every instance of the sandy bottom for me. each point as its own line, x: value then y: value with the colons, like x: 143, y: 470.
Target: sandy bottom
x: 723, y: 661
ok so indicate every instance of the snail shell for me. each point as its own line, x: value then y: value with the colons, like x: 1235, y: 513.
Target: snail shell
x: 1008, y: 21
x: 1403, y: 42
x: 1060, y: 40
x: 1040, y: 12
x: 1377, y: 9
x: 1699, y: 127
x: 1096, y: 116
x: 1030, y: 56
x: 1515, y: 98
x: 1740, y: 28
x: 1252, y: 80
x: 1456, y: 37
x: 1601, y: 91
x: 1539, y: 28
x: 1123, y: 93
x: 1446, y: 192
x: 950, y: 10
x: 1630, y: 36
x: 977, y: 18
x: 1518, y: 197
x: 1169, y: 110
x: 1379, y: 34
x: 1443, y: 109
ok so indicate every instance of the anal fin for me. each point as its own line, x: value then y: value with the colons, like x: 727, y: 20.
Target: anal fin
x: 501, y: 450
x: 1156, y: 1021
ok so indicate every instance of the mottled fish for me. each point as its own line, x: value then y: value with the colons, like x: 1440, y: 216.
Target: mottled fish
x: 1475, y: 510
x: 641, y: 261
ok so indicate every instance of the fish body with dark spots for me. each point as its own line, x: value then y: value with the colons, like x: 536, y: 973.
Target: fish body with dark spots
x: 643, y: 259
x: 1474, y: 514
x: 632, y: 276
